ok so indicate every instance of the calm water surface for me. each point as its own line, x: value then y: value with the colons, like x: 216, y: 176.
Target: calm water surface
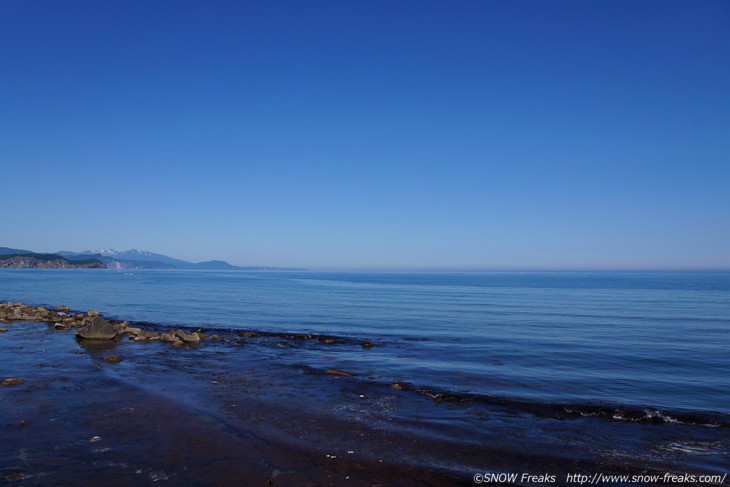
x: 644, y: 339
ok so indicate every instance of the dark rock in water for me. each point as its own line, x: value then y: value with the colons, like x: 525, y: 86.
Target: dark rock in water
x: 248, y: 334
x: 62, y: 308
x: 112, y: 359
x: 339, y: 372
x: 11, y: 475
x: 12, y: 381
x: 366, y: 344
x: 62, y: 326
x: 3, y: 330
x: 98, y: 329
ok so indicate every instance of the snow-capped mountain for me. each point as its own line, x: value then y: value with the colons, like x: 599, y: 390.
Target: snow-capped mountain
x: 134, y: 257
x: 119, y: 253
x: 106, y: 252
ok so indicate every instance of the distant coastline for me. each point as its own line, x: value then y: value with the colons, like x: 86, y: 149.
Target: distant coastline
x: 47, y: 261
x: 114, y: 259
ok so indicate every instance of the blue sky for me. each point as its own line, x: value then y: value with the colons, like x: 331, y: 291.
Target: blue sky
x: 471, y: 135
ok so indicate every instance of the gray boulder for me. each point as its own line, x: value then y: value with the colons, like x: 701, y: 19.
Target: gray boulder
x: 169, y: 337
x: 98, y: 329
x: 188, y: 337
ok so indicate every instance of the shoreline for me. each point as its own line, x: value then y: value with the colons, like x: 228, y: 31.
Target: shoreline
x: 195, y: 446
x: 63, y: 318
x: 221, y: 411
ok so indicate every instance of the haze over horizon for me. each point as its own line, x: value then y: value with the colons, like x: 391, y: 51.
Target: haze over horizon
x: 329, y: 135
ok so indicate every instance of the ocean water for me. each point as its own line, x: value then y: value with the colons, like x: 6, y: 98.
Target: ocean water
x: 610, y: 340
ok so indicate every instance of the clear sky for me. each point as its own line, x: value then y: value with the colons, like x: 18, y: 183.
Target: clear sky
x: 380, y: 134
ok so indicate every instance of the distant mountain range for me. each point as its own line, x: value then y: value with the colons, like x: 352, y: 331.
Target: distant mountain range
x: 137, y: 259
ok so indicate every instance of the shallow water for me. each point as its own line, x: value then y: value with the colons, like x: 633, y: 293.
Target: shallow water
x: 225, y: 413
x: 540, y: 373
x: 649, y: 340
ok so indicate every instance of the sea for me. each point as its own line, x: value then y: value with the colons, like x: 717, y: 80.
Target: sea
x: 650, y: 348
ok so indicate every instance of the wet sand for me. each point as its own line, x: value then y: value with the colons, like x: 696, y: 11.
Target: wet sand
x: 223, y: 413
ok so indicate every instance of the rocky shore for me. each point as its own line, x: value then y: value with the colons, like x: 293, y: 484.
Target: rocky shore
x: 90, y: 325
x: 101, y: 401
x: 92, y: 400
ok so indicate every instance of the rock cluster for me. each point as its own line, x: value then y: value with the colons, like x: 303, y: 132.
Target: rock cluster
x: 179, y: 337
x: 138, y: 334
x: 92, y: 326
x: 22, y: 312
x: 89, y: 325
x: 61, y: 316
